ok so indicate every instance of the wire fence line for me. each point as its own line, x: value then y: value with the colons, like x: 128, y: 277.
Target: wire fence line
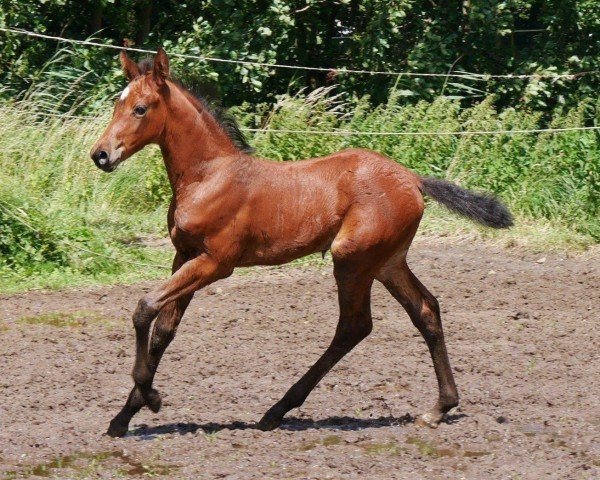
x: 340, y: 70
x: 285, y: 131
x: 67, y: 116
x: 428, y: 134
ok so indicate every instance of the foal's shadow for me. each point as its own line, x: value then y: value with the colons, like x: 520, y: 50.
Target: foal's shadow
x: 290, y: 423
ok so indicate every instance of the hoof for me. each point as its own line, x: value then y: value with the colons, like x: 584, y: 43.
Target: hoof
x: 116, y: 429
x: 270, y: 421
x: 268, y: 424
x: 429, y: 419
x: 153, y: 400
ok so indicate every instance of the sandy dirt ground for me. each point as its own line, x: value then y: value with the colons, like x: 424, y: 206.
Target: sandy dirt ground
x: 522, y: 331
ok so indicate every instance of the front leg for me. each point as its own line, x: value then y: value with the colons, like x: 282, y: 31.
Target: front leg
x: 164, y: 330
x: 193, y: 275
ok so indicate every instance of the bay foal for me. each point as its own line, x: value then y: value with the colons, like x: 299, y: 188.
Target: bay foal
x: 231, y: 209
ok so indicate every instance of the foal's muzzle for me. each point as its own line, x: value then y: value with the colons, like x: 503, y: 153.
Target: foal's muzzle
x: 103, y: 159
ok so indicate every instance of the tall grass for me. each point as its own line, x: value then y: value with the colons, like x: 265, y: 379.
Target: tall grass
x: 63, y: 221
x: 549, y: 177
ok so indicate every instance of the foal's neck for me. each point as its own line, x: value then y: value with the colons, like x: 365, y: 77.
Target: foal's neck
x: 192, y: 138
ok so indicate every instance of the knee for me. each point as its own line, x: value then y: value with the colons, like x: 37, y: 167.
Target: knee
x: 144, y: 313
x: 141, y: 375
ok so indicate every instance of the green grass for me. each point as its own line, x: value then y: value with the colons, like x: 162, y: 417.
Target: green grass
x: 63, y: 222
x: 528, y: 233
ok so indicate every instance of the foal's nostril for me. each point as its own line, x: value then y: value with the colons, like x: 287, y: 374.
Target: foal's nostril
x: 100, y: 157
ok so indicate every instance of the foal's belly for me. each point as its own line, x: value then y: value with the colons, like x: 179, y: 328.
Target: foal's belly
x: 283, y: 252
x: 284, y: 236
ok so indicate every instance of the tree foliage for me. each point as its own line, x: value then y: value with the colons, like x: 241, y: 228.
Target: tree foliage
x: 483, y: 36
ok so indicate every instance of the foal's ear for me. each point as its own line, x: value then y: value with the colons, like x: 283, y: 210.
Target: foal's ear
x: 130, y: 68
x: 160, y: 73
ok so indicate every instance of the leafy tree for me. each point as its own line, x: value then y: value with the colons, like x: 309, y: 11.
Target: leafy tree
x: 483, y: 36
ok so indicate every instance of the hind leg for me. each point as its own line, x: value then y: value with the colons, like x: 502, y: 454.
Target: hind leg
x: 424, y: 311
x: 354, y: 292
x: 359, y: 250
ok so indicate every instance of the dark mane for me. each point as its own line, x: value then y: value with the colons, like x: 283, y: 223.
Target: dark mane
x: 225, y: 119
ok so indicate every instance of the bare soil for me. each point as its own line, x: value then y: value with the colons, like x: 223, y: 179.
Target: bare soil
x: 522, y: 331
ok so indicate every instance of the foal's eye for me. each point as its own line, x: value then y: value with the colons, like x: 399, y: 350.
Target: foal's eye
x: 140, y: 110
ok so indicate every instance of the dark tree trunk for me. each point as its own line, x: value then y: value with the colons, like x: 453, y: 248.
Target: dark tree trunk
x: 143, y: 13
x: 95, y: 23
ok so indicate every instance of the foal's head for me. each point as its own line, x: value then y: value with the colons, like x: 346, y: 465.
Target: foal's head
x: 139, y: 115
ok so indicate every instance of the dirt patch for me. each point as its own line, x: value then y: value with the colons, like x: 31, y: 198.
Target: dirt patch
x: 66, y: 319
x: 522, y: 331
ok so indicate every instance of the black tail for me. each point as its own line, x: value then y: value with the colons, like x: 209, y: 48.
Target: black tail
x: 481, y: 207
